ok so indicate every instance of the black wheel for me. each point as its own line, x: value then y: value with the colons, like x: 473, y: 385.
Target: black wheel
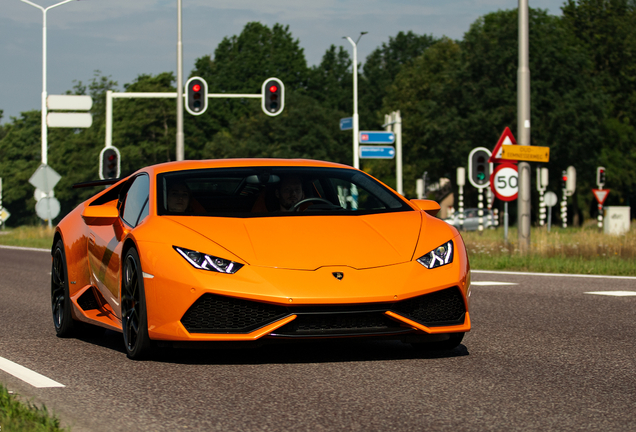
x: 134, y: 321
x: 60, y: 298
x: 446, y: 345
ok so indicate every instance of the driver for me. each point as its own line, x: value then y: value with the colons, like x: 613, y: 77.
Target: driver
x: 289, y: 192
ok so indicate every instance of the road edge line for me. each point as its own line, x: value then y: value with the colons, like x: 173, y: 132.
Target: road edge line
x: 27, y: 375
x: 553, y: 274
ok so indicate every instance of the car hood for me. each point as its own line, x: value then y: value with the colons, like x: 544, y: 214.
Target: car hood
x: 311, y: 242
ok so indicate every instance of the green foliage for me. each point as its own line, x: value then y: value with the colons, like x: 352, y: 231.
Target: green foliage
x: 453, y: 96
x: 18, y: 417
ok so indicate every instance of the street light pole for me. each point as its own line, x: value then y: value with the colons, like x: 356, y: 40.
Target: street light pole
x: 44, y: 94
x: 356, y: 127
x: 180, y: 142
x: 523, y: 128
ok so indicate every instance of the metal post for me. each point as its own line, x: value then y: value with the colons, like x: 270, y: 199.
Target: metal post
x: 180, y: 141
x: 523, y: 128
x: 1, y: 223
x: 44, y: 91
x: 461, y: 181
x: 109, y: 118
x: 480, y: 211
x: 398, y: 151
x: 564, y: 210
x: 356, y: 126
x: 599, y: 218
x: 506, y: 222
x: 549, y: 218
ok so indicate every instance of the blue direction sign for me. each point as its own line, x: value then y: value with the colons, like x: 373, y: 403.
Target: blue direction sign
x: 377, y: 152
x: 346, y: 123
x: 379, y: 137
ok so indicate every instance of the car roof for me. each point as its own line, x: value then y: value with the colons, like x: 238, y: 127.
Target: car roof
x: 235, y: 163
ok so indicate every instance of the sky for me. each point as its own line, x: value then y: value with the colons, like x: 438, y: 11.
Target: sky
x: 126, y: 38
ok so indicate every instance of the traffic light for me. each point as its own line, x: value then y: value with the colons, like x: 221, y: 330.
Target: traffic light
x: 600, y: 177
x: 564, y: 180
x: 273, y: 96
x: 109, y: 163
x: 479, y: 168
x: 196, y: 96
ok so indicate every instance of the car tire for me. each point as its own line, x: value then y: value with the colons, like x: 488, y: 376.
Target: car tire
x: 454, y: 340
x: 61, y: 304
x: 134, y: 318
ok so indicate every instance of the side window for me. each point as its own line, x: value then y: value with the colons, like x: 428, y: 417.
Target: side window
x: 136, y: 202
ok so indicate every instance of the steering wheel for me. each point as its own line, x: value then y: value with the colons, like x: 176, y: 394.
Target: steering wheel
x: 295, y: 206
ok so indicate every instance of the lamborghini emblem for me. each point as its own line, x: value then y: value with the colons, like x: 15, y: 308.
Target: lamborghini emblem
x: 338, y: 275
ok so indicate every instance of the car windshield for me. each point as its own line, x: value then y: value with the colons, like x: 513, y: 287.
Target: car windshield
x: 273, y: 191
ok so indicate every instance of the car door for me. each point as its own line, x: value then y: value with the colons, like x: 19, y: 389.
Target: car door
x: 105, y: 242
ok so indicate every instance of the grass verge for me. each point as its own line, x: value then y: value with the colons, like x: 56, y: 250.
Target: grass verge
x: 571, y: 250
x: 27, y: 236
x: 16, y: 416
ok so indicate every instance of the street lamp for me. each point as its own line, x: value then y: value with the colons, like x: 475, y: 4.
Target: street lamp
x: 44, y: 95
x: 356, y: 144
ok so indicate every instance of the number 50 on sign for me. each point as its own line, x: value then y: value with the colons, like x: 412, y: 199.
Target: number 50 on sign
x: 504, y: 182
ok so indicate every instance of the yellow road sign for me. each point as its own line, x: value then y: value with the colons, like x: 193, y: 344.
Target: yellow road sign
x: 525, y: 153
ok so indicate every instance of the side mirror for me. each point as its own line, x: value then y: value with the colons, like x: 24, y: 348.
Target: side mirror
x: 429, y: 206
x: 100, y: 215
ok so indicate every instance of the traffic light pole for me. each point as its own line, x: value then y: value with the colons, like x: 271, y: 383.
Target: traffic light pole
x: 180, y: 151
x: 110, y: 95
x: 523, y: 128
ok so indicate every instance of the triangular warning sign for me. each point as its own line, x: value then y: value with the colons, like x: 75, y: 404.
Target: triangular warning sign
x: 506, y: 139
x: 600, y: 195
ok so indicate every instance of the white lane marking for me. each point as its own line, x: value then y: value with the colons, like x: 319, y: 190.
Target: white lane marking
x: 553, y: 274
x: 27, y: 375
x: 491, y: 283
x: 25, y: 248
x: 613, y: 293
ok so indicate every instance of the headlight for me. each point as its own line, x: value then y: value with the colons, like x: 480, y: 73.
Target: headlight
x: 438, y: 257
x: 208, y: 262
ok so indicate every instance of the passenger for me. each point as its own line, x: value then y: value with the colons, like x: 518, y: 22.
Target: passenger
x: 178, y: 198
x: 289, y: 192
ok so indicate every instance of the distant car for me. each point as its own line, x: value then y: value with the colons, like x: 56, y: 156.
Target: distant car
x: 197, y: 251
x: 471, y: 219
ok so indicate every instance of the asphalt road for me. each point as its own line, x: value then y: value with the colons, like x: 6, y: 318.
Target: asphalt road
x: 543, y: 355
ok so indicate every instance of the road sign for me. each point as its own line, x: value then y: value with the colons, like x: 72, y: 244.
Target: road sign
x: 506, y: 138
x: 550, y: 199
x: 69, y: 102
x: 45, y: 178
x: 525, y: 153
x: 4, y: 215
x: 379, y: 137
x: 600, y: 195
x: 48, y: 208
x: 346, y: 123
x: 504, y: 182
x: 69, y: 120
x: 39, y: 194
x: 377, y: 152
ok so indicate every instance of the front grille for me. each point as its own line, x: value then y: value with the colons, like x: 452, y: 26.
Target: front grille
x: 445, y: 307
x: 217, y: 314
x: 331, y: 324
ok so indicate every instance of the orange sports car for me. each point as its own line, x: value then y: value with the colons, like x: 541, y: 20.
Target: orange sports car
x: 258, y: 250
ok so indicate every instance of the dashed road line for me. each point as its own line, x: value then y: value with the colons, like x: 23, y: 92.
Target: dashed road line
x: 613, y: 293
x: 491, y: 283
x: 25, y: 248
x: 27, y: 375
x: 552, y: 274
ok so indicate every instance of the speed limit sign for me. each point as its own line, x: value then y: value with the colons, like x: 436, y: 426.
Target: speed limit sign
x: 504, y: 182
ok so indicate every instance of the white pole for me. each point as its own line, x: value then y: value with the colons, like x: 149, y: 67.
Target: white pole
x: 109, y: 118
x: 398, y: 153
x: 44, y: 93
x: 180, y: 141
x: 356, y: 127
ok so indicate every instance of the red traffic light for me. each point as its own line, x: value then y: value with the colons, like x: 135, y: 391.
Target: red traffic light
x: 565, y: 178
x: 196, y: 87
x: 273, y: 89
